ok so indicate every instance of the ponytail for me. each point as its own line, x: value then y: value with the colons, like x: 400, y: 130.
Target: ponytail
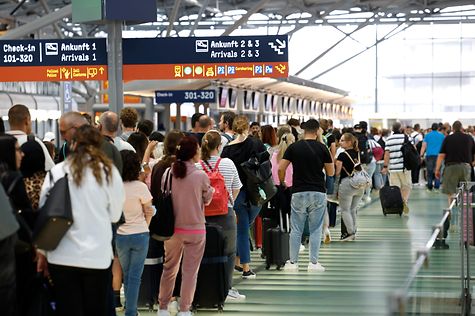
x: 211, y: 140
x: 185, y: 151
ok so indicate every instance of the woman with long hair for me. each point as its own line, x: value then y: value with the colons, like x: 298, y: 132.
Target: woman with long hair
x: 348, y: 197
x: 210, y: 160
x: 269, y: 137
x: 17, y: 264
x: 191, y: 191
x: 80, y: 266
x: 33, y: 170
x: 240, y: 150
x: 133, y: 235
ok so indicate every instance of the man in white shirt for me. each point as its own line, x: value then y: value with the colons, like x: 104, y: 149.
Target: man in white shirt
x: 226, y: 127
x: 19, y: 119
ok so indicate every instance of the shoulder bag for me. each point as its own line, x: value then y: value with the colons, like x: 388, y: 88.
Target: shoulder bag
x: 162, y: 225
x: 55, y: 217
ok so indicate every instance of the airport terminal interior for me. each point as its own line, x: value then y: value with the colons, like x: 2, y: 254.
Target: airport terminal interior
x: 361, y: 64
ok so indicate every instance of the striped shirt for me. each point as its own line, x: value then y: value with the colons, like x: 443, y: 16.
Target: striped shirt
x: 229, y: 172
x: 396, y: 159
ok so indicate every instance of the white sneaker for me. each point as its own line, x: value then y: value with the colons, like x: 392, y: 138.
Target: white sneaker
x: 173, y: 307
x: 367, y: 199
x: 188, y: 313
x: 163, y: 312
x: 302, y: 248
x: 234, y: 295
x: 290, y: 266
x: 315, y: 267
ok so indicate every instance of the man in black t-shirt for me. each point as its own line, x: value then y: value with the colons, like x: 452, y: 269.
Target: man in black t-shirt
x: 308, y: 158
x: 458, y: 151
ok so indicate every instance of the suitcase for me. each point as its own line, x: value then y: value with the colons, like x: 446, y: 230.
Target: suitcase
x: 278, y: 246
x: 152, y: 272
x: 267, y: 223
x: 391, y: 200
x: 468, y: 218
x: 211, y: 286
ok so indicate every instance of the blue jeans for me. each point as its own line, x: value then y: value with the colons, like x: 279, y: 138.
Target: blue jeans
x: 305, y: 205
x: 246, y: 214
x: 132, y: 251
x: 432, y: 181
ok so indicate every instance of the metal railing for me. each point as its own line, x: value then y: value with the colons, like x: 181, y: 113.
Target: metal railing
x: 398, y: 299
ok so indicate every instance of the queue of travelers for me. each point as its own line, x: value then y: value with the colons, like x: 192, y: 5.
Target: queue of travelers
x: 114, y: 180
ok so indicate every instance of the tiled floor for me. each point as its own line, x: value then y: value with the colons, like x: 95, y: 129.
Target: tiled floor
x: 360, y: 275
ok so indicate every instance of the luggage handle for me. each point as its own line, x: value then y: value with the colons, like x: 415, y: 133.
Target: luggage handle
x: 282, y: 222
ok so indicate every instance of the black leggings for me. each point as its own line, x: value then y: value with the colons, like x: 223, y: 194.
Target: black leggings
x: 81, y: 292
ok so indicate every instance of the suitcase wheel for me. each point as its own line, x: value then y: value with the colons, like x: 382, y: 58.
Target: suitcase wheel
x: 220, y: 308
x: 278, y: 267
x: 267, y: 266
x: 263, y: 256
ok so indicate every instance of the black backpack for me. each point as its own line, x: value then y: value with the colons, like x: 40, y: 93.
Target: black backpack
x: 410, y: 155
x: 366, y: 153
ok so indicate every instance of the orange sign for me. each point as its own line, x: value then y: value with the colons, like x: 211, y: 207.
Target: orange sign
x: 53, y: 73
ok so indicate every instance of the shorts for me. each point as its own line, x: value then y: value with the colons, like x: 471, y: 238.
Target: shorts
x: 401, y: 179
x: 453, y: 175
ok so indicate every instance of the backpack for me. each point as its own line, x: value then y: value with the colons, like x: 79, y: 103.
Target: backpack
x: 377, y: 150
x: 381, y: 142
x: 410, y: 155
x: 366, y: 154
x: 260, y: 185
x: 219, y: 202
x: 359, y: 179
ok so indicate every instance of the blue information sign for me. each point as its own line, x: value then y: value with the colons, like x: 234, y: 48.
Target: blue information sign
x: 225, y: 49
x: 181, y: 96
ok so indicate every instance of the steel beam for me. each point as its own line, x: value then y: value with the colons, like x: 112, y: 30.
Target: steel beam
x: 199, y: 17
x: 39, y: 23
x: 245, y: 17
x: 55, y: 25
x: 386, y: 37
x: 172, y: 17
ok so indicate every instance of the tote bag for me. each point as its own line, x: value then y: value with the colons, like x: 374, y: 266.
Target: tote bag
x: 162, y: 225
x: 55, y: 217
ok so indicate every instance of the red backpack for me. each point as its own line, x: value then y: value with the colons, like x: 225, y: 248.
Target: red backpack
x: 219, y: 202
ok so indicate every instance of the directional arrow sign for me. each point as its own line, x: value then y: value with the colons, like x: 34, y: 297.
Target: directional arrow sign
x: 206, y: 57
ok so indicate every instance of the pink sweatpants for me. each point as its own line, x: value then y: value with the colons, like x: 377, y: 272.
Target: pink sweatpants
x: 191, y: 247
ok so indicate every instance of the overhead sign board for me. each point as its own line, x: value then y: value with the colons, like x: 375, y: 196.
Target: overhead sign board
x: 181, y: 96
x: 53, y: 60
x: 205, y: 57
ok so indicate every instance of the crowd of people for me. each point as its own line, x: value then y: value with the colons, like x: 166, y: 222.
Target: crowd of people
x: 114, y: 180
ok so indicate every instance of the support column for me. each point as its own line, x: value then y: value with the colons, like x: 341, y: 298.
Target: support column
x: 178, y: 117
x: 149, y: 109
x: 114, y: 59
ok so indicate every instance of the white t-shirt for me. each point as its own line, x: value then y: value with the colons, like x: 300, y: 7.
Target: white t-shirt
x: 22, y: 138
x: 88, y: 242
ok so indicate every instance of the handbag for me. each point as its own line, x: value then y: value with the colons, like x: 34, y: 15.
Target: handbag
x: 359, y: 179
x: 55, y: 217
x: 162, y: 225
x: 42, y: 300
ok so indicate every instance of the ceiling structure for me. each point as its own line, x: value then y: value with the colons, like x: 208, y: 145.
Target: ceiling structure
x: 52, y: 18
x: 183, y: 17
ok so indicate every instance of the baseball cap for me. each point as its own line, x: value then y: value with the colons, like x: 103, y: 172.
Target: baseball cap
x: 49, y: 137
x: 357, y: 126
x: 310, y: 125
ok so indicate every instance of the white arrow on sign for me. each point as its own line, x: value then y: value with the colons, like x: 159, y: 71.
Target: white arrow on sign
x: 280, y: 45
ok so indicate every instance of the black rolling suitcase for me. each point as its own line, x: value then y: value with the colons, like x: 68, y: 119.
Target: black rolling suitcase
x: 267, y: 223
x: 278, y: 247
x: 391, y: 200
x: 211, y: 286
x: 152, y: 272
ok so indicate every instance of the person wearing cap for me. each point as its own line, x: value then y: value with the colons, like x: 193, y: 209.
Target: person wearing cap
x: 308, y: 157
x: 431, y: 147
x: 49, y: 137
